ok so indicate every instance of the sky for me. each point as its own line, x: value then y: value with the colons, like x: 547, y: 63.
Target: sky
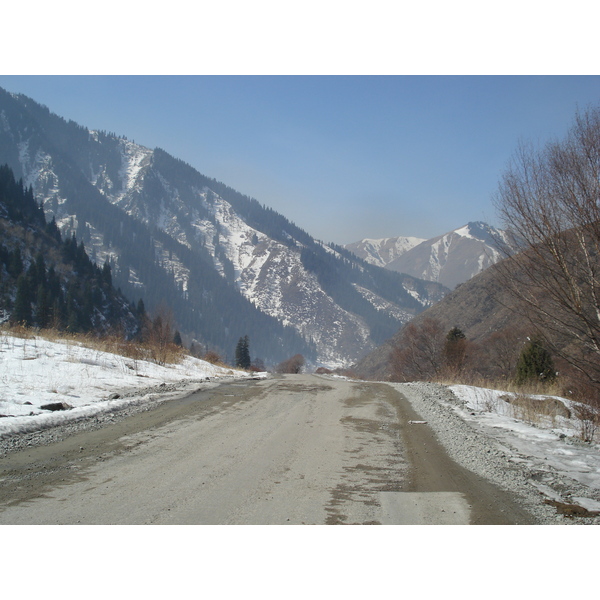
x: 356, y: 124
x: 343, y: 157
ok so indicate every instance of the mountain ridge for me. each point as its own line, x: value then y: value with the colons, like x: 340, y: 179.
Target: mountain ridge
x: 450, y: 259
x: 228, y: 265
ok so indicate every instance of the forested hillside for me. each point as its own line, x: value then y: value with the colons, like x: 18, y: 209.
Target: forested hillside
x: 226, y: 265
x: 46, y: 281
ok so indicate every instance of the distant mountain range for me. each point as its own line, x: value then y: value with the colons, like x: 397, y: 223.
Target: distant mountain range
x: 449, y: 259
x: 383, y: 251
x: 480, y: 308
x: 226, y: 265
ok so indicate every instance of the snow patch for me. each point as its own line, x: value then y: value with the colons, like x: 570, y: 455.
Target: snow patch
x: 36, y: 372
x: 549, y: 441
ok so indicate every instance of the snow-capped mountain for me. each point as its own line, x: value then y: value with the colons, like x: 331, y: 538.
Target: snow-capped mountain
x: 383, y: 251
x: 226, y: 265
x: 449, y: 259
x: 454, y: 257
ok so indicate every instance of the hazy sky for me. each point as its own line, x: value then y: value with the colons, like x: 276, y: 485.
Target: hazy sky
x: 344, y: 157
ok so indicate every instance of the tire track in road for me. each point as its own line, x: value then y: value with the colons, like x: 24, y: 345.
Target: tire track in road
x: 287, y: 450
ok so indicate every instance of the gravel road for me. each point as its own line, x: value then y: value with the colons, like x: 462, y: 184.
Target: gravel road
x: 286, y: 450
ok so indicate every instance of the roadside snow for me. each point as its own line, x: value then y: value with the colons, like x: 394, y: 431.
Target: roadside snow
x: 552, y: 440
x: 544, y: 460
x: 35, y: 372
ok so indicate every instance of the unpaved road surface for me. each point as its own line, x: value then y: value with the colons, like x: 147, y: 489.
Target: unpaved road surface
x: 286, y: 450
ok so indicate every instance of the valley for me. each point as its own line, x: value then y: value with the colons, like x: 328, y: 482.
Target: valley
x: 224, y: 264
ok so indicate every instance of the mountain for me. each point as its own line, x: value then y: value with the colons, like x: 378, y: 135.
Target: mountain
x: 47, y: 281
x: 226, y: 265
x: 480, y: 307
x: 450, y: 259
x: 383, y: 251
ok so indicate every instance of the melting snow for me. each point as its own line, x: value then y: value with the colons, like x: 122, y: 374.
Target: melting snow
x: 35, y: 372
x: 543, y: 442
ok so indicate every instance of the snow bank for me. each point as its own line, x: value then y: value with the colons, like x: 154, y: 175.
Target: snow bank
x: 547, y: 441
x: 36, y: 372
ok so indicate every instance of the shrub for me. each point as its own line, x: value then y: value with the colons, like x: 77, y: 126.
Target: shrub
x: 292, y: 365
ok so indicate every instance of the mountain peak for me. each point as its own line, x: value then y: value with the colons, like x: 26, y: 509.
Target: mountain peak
x: 226, y: 265
x: 450, y: 259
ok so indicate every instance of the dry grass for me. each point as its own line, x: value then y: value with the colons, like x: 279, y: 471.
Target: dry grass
x: 163, y: 354
x: 588, y: 418
x: 214, y: 359
x: 537, y: 410
x: 533, y: 403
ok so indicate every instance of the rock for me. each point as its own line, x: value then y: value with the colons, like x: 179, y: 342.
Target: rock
x: 114, y: 396
x: 56, y: 406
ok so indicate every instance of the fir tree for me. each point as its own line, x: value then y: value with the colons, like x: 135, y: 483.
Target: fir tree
x: 242, y: 353
x: 455, y: 351
x: 42, y: 309
x: 106, y: 274
x: 52, y: 230
x: 535, y: 363
x: 15, y: 264
x: 22, y: 310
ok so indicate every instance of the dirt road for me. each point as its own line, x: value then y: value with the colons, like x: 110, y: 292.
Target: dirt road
x: 286, y: 450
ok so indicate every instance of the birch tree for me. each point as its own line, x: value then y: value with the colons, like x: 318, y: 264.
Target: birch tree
x: 549, y: 198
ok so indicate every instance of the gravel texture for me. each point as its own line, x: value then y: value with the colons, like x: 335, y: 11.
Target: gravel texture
x: 141, y: 400
x: 466, y: 442
x: 469, y: 445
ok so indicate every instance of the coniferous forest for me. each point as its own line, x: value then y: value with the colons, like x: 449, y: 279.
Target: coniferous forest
x: 170, y: 236
x: 47, y: 281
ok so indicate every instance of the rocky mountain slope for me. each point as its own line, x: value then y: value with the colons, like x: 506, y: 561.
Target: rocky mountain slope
x: 47, y: 281
x: 383, y: 251
x: 226, y: 265
x: 449, y: 259
x: 479, y: 307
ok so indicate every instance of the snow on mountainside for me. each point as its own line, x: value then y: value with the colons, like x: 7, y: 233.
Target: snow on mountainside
x: 268, y: 272
x: 383, y: 251
x: 226, y: 265
x: 449, y: 259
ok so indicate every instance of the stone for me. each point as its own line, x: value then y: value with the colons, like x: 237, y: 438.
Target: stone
x: 54, y: 406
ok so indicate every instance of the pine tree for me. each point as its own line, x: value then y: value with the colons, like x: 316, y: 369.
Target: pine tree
x: 242, y: 353
x: 535, y: 363
x: 42, y: 309
x: 22, y: 309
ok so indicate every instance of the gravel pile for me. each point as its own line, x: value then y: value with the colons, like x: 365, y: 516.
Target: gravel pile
x: 473, y: 449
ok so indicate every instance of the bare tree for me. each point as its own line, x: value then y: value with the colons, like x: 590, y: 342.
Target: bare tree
x: 161, y: 335
x: 291, y: 365
x: 501, y: 352
x: 549, y: 198
x: 455, y: 353
x: 418, y: 355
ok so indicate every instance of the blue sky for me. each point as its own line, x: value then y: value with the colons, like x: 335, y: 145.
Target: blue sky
x: 344, y: 157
